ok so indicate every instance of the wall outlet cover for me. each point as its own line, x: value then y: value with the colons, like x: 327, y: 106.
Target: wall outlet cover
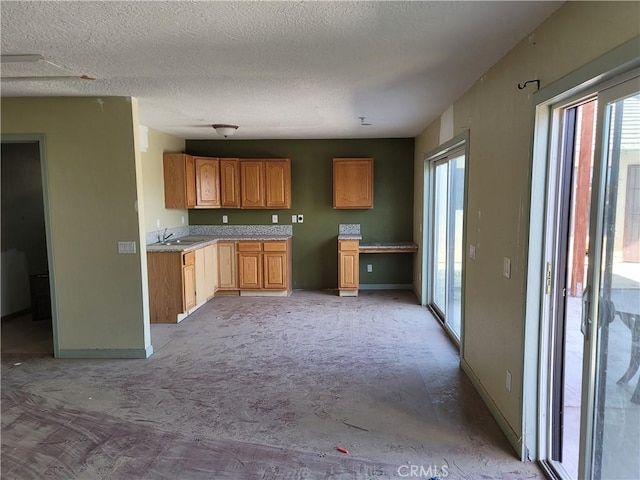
x: 294, y: 219
x: 225, y: 219
x: 274, y: 218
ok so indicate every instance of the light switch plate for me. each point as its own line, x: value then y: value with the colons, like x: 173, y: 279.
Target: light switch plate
x: 126, y: 247
x: 506, y: 267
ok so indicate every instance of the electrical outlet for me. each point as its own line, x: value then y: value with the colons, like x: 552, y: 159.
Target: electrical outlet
x: 225, y: 219
x: 300, y: 218
x: 158, y: 223
x: 274, y: 218
x: 472, y: 252
x: 369, y: 268
x: 506, y: 267
x: 508, y: 381
x: 294, y: 219
x: 183, y: 219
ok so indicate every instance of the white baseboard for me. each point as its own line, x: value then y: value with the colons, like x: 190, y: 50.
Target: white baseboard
x: 514, y: 439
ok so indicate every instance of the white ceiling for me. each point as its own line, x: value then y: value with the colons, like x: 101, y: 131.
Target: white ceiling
x: 276, y: 69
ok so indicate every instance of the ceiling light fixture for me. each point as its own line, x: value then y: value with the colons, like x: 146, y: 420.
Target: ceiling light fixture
x: 225, y: 130
x: 363, y: 123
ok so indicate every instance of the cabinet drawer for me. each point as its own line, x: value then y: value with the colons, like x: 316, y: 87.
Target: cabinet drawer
x: 348, y: 245
x: 275, y: 246
x: 249, y: 246
x: 189, y: 258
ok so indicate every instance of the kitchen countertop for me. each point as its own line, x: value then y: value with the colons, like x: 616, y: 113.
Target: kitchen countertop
x: 349, y: 236
x: 199, y: 241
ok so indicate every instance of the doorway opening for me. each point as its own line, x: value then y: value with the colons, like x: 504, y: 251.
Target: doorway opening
x: 27, y: 325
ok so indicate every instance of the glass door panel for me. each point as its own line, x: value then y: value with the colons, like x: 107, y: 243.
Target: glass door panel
x: 448, y: 250
x: 441, y: 201
x: 613, y: 443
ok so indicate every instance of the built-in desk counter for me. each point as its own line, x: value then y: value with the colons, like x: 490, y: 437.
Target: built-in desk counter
x: 388, y: 247
x: 350, y: 247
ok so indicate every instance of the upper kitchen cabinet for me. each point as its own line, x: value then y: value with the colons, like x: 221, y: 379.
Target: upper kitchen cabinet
x: 229, y: 183
x: 207, y: 182
x: 252, y: 184
x: 353, y: 183
x: 179, y: 180
x: 265, y: 183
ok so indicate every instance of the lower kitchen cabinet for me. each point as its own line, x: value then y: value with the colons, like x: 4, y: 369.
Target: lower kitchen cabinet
x: 227, y: 263
x: 264, y: 267
x: 172, y: 285
x: 189, y: 280
x: 206, y: 273
x: 348, y: 267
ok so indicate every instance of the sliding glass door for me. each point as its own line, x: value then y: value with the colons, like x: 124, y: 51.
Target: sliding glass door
x: 611, y: 312
x: 591, y: 360
x: 447, y: 234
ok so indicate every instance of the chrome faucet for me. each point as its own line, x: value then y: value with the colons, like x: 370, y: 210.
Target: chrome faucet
x: 165, y: 237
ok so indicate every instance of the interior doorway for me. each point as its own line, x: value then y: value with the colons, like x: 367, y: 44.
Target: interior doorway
x: 26, y: 300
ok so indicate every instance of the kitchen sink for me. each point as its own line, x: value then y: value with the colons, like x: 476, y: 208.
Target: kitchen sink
x: 179, y: 242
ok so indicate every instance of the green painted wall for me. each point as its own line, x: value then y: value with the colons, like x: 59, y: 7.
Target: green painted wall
x: 315, y: 255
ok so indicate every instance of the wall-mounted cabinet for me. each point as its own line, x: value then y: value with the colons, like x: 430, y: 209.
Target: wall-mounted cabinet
x: 207, y: 182
x: 229, y: 183
x: 353, y: 183
x: 265, y: 183
x: 179, y: 180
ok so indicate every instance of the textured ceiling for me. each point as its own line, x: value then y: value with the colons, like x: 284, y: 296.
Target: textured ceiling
x: 276, y: 69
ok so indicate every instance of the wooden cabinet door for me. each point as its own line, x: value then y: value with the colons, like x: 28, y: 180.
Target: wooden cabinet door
x: 229, y: 183
x: 189, y: 280
x: 210, y: 269
x: 227, y: 276
x: 278, y: 183
x: 200, y: 268
x: 252, y: 184
x: 348, y: 270
x: 353, y: 183
x: 207, y: 182
x: 190, y: 181
x: 179, y: 180
x: 275, y: 270
x: 249, y: 270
